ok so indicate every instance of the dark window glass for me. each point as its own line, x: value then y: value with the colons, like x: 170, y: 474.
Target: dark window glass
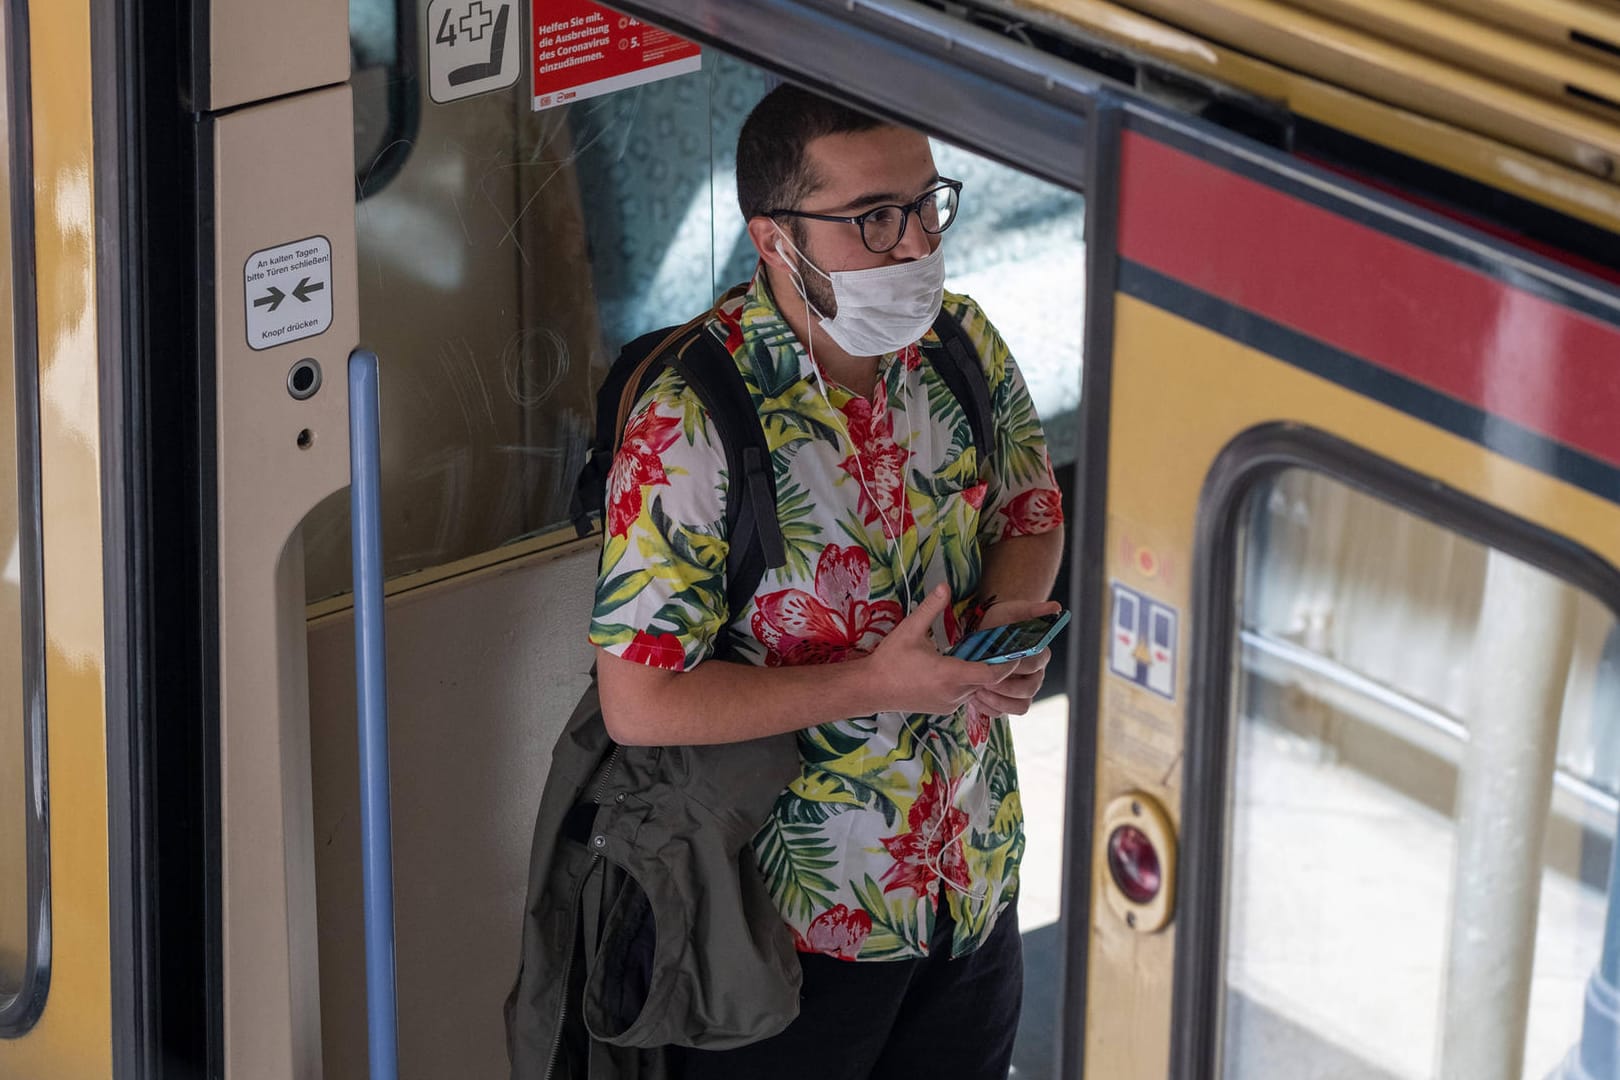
x: 24, y: 879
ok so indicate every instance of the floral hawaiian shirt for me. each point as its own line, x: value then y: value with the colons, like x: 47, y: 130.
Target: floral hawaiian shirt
x: 878, y: 498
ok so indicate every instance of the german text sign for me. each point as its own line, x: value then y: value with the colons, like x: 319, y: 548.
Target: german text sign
x: 287, y: 292
x: 582, y: 50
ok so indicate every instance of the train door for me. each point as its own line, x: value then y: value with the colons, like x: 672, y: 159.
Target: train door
x: 279, y: 184
x: 57, y: 998
x: 514, y: 227
x: 1355, y: 471
x: 282, y: 317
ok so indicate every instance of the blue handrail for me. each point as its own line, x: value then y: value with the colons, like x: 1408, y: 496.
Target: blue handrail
x: 376, y: 839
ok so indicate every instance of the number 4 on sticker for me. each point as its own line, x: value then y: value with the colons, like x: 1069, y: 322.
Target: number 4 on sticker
x: 474, y: 47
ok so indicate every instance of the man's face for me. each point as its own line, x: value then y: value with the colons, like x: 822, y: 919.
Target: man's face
x: 858, y: 172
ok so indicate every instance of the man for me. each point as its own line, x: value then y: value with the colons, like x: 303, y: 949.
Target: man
x: 897, y: 847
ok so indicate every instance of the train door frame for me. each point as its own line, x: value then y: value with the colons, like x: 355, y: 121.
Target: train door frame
x: 1192, y: 1030
x: 163, y: 82
x: 923, y: 69
x: 917, y: 67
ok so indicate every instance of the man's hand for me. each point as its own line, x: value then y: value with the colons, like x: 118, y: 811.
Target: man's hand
x: 910, y: 675
x: 1013, y: 694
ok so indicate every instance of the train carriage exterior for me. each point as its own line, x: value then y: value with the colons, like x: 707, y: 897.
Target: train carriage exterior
x: 1318, y: 300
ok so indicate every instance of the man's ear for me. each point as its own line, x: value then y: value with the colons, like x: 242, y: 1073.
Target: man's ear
x: 766, y: 234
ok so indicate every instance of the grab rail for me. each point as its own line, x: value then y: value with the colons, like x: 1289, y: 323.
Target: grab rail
x: 376, y: 839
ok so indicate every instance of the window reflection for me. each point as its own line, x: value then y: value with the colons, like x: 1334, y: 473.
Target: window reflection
x: 23, y: 880
x: 511, y: 253
x: 1415, y: 803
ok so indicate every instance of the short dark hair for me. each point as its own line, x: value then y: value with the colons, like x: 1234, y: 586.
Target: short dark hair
x: 772, y: 173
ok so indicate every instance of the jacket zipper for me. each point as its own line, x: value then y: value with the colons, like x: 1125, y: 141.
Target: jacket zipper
x: 579, y: 890
x: 607, y: 772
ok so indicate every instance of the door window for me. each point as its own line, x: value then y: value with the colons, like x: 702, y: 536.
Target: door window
x: 1421, y: 808
x: 506, y: 254
x: 24, y: 899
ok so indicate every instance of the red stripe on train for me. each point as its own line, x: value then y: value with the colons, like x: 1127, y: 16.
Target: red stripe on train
x: 1400, y: 306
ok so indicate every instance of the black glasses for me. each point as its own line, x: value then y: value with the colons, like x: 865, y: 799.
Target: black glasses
x: 882, y: 227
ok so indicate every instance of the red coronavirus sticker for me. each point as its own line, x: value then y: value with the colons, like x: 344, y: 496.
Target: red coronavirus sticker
x: 582, y: 50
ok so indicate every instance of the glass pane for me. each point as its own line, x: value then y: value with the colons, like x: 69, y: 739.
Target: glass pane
x: 1018, y: 248
x: 14, y: 895
x: 506, y: 254
x: 1420, y: 844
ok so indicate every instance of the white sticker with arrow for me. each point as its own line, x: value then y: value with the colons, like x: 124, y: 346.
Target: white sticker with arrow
x: 288, y: 292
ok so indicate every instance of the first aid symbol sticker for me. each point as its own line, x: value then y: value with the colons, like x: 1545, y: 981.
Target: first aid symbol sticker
x: 473, y: 47
x: 288, y: 292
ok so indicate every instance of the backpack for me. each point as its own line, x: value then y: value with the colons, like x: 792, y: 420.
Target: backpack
x: 706, y: 366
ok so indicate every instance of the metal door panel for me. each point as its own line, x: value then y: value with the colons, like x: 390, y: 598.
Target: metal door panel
x: 1240, y: 293
x: 283, y: 183
x: 249, y: 50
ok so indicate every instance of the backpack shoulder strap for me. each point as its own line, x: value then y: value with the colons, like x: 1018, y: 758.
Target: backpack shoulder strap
x: 751, y: 524
x: 958, y: 365
x: 642, y: 375
x: 647, y: 369
x: 627, y: 378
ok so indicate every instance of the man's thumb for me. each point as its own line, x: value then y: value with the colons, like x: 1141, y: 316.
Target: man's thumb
x: 935, y: 601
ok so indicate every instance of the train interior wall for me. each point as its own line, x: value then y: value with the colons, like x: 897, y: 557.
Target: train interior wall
x: 483, y: 671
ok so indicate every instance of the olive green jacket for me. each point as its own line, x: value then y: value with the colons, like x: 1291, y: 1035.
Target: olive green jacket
x: 647, y: 923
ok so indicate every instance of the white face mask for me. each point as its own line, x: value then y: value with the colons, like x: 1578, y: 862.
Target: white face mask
x: 883, y: 309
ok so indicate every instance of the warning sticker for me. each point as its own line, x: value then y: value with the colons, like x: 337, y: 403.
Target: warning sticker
x: 582, y: 50
x: 287, y: 291
x: 473, y: 47
x: 1142, y: 641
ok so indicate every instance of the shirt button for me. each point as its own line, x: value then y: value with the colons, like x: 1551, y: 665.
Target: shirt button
x: 599, y: 842
x: 619, y: 798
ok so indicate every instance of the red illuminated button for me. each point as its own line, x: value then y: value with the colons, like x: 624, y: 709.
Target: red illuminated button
x: 1134, y: 864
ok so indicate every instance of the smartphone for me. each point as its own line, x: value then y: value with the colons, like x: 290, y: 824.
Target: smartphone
x: 1003, y: 644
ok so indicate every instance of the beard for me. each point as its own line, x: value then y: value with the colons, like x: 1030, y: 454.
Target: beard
x: 820, y: 292
x: 817, y: 288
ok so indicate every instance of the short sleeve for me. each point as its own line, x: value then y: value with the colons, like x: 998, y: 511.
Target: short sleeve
x: 660, y: 586
x: 1022, y: 497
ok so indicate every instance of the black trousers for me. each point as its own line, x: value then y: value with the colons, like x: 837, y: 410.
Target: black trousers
x: 934, y: 1018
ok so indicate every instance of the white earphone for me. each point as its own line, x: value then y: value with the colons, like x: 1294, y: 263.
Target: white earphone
x: 934, y: 860
x: 893, y: 537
